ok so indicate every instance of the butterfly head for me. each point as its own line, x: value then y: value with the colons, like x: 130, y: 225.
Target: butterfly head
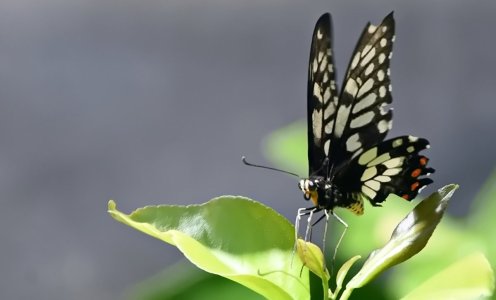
x: 310, y: 188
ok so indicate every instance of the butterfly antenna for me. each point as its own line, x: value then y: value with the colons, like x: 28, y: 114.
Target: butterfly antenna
x: 243, y: 158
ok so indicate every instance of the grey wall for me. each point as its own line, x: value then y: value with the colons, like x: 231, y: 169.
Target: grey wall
x: 150, y: 102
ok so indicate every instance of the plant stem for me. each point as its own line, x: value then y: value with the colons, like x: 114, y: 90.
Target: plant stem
x: 346, y: 294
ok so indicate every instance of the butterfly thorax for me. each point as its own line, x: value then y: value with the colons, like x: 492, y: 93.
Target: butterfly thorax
x: 323, y: 193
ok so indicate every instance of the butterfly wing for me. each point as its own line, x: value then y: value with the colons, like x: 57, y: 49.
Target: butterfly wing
x: 392, y: 167
x: 322, y: 96
x: 360, y: 118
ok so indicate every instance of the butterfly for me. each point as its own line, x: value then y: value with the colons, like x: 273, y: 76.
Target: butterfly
x: 349, y: 160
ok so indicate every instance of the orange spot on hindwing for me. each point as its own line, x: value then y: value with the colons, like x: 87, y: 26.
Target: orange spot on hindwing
x: 416, y: 172
x: 406, y: 197
x: 414, y: 186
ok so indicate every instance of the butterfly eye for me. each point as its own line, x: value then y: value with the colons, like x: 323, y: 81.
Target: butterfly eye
x: 312, y: 186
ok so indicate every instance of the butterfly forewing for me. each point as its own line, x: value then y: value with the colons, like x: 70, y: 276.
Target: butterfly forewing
x: 322, y: 95
x: 362, y: 118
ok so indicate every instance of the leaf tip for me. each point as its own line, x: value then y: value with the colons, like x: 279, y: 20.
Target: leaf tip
x: 446, y: 192
x: 449, y: 189
x: 111, y: 206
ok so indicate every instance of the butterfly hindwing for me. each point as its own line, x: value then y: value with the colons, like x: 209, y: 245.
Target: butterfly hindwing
x: 362, y: 118
x: 322, y: 95
x: 392, y: 167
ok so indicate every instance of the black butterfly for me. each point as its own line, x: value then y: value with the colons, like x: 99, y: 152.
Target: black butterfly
x: 349, y: 161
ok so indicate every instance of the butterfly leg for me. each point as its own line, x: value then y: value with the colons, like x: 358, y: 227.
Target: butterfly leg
x: 308, y: 232
x: 341, y: 237
x: 302, y: 212
x: 326, y: 214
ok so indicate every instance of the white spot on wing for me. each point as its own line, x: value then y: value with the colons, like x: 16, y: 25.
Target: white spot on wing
x: 383, y: 178
x: 392, y: 172
x: 368, y: 192
x: 353, y: 143
x: 369, y: 173
x: 365, y: 102
x: 327, y: 144
x: 328, y: 127
x: 317, y: 123
x: 369, y: 69
x: 356, y: 153
x: 329, y: 110
x: 317, y: 92
x: 383, y: 42
x: 367, y: 57
x: 385, y: 111
x: 367, y: 156
x: 341, y: 120
x: 320, y: 56
x: 375, y: 185
x: 394, y: 163
x: 412, y: 138
x: 397, y: 143
x: 380, y: 75
x: 362, y: 120
x: 410, y: 149
x: 382, y: 91
x: 319, y: 34
x: 355, y: 61
x: 351, y: 87
x: 323, y: 64
x: 365, y: 87
x: 327, y: 95
x: 382, y: 126
x: 372, y: 28
x: 380, y: 159
x: 366, y: 49
x: 382, y: 58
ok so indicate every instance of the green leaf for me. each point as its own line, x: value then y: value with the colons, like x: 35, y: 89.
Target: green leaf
x: 451, y: 241
x: 484, y: 205
x: 185, y: 281
x: 409, y: 237
x: 482, y: 218
x: 343, y: 271
x: 230, y: 236
x: 466, y: 279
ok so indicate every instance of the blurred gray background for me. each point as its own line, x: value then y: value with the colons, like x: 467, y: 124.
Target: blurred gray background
x: 150, y: 102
